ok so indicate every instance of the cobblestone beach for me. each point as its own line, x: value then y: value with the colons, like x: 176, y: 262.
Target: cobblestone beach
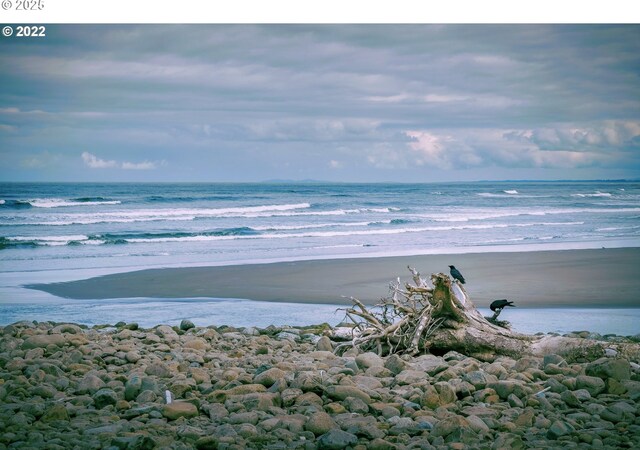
x: 66, y: 386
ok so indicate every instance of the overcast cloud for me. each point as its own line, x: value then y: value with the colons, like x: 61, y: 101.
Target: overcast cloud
x: 332, y: 102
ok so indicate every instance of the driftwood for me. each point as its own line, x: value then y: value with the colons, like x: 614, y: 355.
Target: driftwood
x: 439, y: 317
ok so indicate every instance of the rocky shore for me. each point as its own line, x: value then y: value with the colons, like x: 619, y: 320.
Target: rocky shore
x: 65, y: 386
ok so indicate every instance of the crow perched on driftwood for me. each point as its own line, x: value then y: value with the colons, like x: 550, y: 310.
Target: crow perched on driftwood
x: 496, y: 306
x: 455, y: 273
x: 499, y: 304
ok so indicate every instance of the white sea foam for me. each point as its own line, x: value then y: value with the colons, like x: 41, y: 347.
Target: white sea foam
x: 100, y: 219
x: 596, y: 194
x: 633, y: 227
x: 484, y: 214
x: 2, y: 202
x: 77, y: 237
x: 242, y: 211
x: 152, y: 215
x: 381, y: 210
x: 49, y: 240
x: 245, y: 210
x: 504, y: 194
x: 334, y: 212
x: 197, y: 238
x: 337, y: 246
x: 346, y: 233
x: 511, y: 193
x: 479, y: 215
x: 316, y: 225
x: 93, y: 242
x: 58, y: 202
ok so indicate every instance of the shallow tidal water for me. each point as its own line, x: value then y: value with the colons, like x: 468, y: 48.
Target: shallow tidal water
x: 243, y: 313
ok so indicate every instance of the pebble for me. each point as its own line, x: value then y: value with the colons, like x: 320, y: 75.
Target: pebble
x: 336, y: 439
x: 89, y: 384
x: 324, y: 344
x: 186, y: 324
x: 369, y: 359
x: 104, y: 397
x: 593, y: 385
x: 320, y: 423
x: 176, y: 410
x: 283, y: 388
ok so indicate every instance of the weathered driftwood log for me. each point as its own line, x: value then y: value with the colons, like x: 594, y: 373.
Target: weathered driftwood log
x: 440, y: 317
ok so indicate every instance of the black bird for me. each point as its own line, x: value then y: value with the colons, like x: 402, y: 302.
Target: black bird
x: 499, y: 304
x: 455, y: 273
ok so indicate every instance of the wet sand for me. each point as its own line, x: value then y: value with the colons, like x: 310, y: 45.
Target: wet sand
x: 600, y: 277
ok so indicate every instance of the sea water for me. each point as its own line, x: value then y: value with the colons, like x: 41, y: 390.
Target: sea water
x: 63, y: 231
x: 150, y: 312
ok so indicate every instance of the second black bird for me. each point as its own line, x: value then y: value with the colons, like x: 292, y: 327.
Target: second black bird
x: 499, y: 304
x: 455, y: 273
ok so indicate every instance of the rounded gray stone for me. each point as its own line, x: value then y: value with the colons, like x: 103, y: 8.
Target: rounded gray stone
x: 336, y: 439
x: 104, y: 397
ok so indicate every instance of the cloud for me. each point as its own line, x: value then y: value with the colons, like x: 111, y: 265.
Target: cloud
x: 397, y: 98
x: 444, y: 151
x: 247, y: 102
x: 387, y: 156
x: 15, y: 111
x: 40, y: 161
x: 94, y: 162
x: 599, y: 136
x: 313, y: 130
x: 431, y: 149
x: 8, y: 128
x: 564, y: 147
x: 146, y: 165
x: 439, y: 98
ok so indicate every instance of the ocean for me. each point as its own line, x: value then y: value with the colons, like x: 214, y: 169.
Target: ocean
x: 64, y: 231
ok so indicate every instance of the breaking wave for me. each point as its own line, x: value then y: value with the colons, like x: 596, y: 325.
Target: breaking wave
x: 35, y: 241
x: 595, y: 194
x: 493, y: 214
x: 59, y: 202
x: 246, y: 233
x: 190, y: 214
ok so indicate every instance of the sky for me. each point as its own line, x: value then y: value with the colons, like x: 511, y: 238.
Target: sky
x: 348, y: 103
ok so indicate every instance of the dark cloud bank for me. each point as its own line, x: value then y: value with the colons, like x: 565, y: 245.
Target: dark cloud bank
x: 332, y: 102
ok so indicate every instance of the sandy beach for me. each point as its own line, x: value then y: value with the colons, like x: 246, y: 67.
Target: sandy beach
x: 600, y: 277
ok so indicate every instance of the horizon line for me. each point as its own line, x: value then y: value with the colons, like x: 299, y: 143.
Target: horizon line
x: 311, y: 181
